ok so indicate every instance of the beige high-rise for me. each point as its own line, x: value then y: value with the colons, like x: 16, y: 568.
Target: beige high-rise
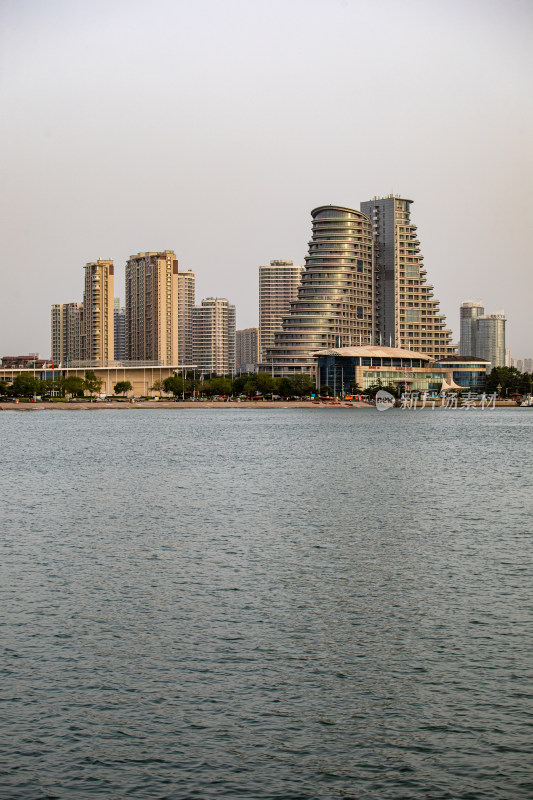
x: 98, y: 311
x: 152, y: 307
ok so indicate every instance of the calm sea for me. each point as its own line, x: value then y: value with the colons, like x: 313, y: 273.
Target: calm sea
x: 271, y: 605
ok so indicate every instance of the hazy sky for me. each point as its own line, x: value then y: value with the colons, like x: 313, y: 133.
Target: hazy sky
x: 214, y: 127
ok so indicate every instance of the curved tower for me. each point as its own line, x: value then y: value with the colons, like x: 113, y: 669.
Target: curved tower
x: 335, y: 305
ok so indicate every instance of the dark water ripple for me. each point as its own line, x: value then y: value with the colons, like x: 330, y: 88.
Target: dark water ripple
x: 266, y: 604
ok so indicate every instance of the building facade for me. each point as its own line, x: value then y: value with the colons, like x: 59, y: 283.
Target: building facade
x: 247, y: 349
x: 405, y: 370
x: 186, y: 301
x: 152, y: 307
x: 213, y: 332
x: 67, y: 333
x: 468, y: 314
x: 120, y: 331
x: 335, y: 303
x: 490, y: 338
x: 406, y: 313
x: 98, y: 311
x: 278, y: 288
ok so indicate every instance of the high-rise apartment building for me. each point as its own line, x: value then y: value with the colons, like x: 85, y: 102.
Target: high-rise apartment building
x: 67, y: 333
x: 120, y: 331
x: 406, y: 312
x: 468, y: 314
x: 98, y: 316
x: 152, y: 307
x: 186, y: 294
x: 335, y: 303
x: 490, y: 339
x: 213, y: 328
x: 278, y: 287
x: 247, y: 349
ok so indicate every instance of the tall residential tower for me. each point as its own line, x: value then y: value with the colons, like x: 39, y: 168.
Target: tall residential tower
x: 152, y: 307
x: 213, y: 327
x: 278, y: 287
x: 98, y: 311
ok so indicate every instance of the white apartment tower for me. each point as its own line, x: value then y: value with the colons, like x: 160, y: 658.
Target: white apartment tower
x: 152, y: 307
x: 213, y: 330
x: 186, y: 294
x: 278, y: 288
x: 406, y: 312
x: 98, y: 311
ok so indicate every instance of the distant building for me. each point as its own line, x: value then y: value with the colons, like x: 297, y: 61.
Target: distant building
x: 213, y: 329
x: 527, y: 365
x: 120, y: 331
x: 98, y: 311
x: 278, y: 288
x: 67, y: 333
x: 247, y: 349
x: 152, y: 307
x: 490, y: 338
x: 186, y: 301
x: 468, y: 314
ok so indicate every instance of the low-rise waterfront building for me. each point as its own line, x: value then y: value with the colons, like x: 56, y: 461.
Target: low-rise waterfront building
x: 403, y: 369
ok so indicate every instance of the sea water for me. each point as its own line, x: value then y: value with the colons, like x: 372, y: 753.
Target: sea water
x: 276, y: 604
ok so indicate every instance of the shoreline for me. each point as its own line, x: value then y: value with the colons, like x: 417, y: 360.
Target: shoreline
x: 202, y: 404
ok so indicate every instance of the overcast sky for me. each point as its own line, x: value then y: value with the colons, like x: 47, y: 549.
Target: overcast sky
x: 214, y: 127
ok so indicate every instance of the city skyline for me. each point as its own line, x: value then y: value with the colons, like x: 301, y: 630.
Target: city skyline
x: 226, y: 161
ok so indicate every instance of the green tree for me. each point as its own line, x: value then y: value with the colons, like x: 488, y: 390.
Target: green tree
x: 284, y: 387
x: 219, y: 385
x: 174, y: 385
x: 326, y: 391
x: 92, y: 383
x: 157, y: 387
x: 122, y: 387
x: 25, y: 385
x: 302, y: 384
x: 509, y: 378
x: 4, y: 388
x: 239, y: 382
x: 74, y: 385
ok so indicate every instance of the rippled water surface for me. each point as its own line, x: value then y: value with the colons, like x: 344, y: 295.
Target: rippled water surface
x: 285, y: 604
